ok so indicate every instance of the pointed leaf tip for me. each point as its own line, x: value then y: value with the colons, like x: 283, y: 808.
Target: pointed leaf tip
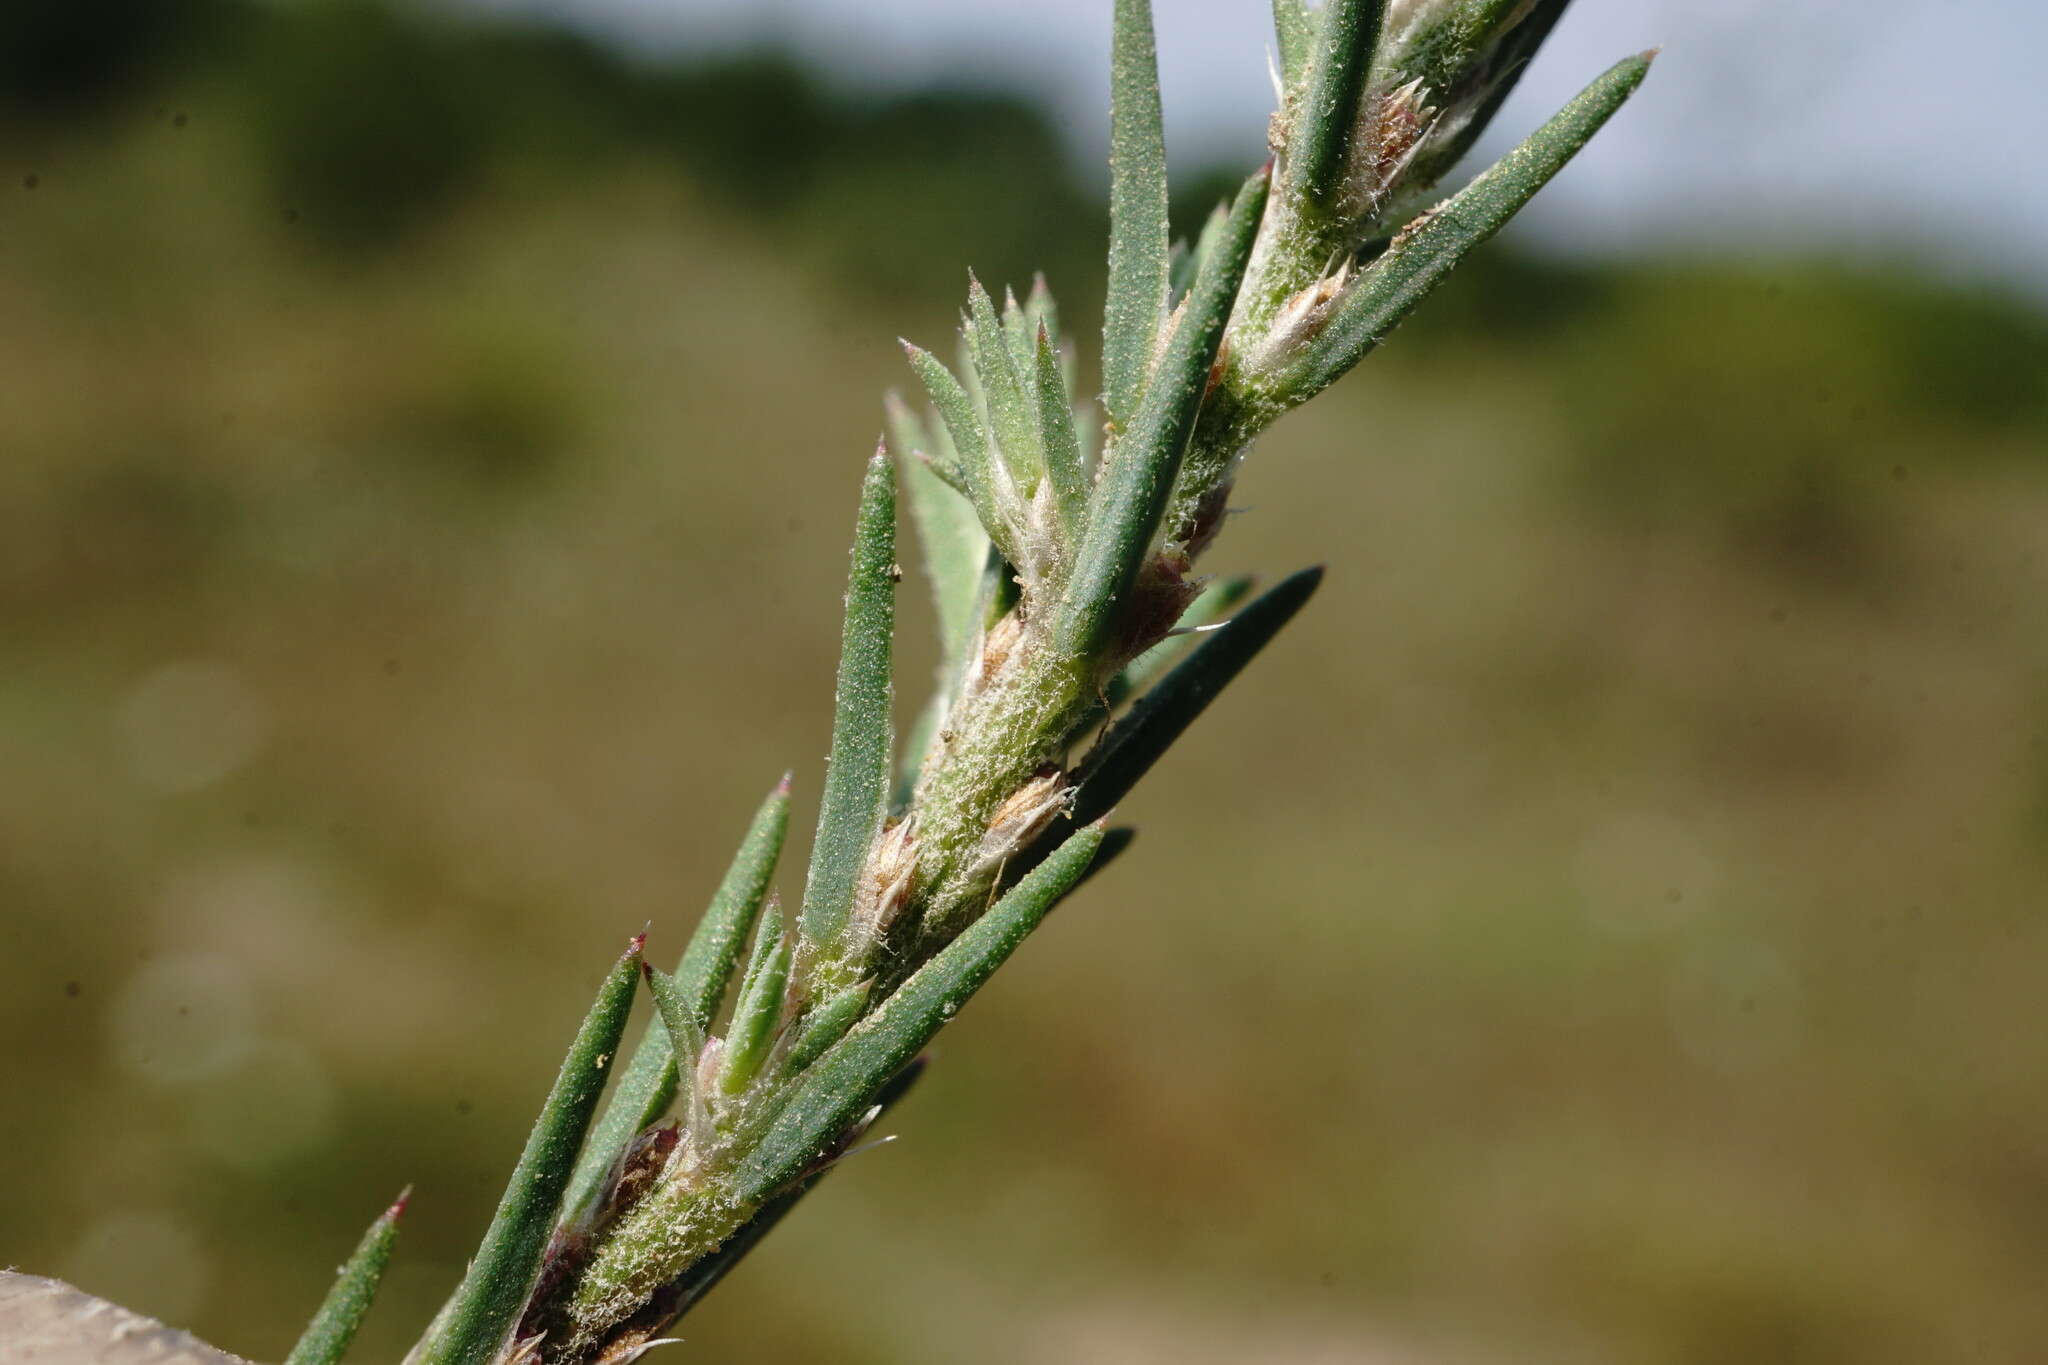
x: 1138, y: 255
x: 651, y: 1079
x: 1423, y: 254
x: 1319, y: 145
x: 487, y: 1304
x: 1131, y: 746
x: 334, y: 1325
x: 854, y: 1072
x: 857, y: 774
x: 1132, y: 490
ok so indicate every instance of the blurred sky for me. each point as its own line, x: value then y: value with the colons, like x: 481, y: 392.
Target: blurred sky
x: 1872, y: 126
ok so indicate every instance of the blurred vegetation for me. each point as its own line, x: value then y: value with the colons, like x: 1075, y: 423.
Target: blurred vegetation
x: 430, y: 451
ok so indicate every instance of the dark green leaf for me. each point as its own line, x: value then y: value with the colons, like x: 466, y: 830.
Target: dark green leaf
x: 916, y: 745
x: 1132, y: 491
x: 857, y: 776
x: 1137, y: 211
x: 707, y: 964
x: 647, y: 1086
x: 1495, y: 79
x: 334, y: 1326
x: 1205, y: 242
x: 1320, y: 141
x: 1203, y: 613
x: 999, y: 590
x: 477, y: 1321
x: 826, y: 1025
x: 842, y: 1084
x: 1428, y: 249
x: 679, y: 1297
x: 1135, y: 743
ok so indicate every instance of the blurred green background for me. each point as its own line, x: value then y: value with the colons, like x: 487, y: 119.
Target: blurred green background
x: 1606, y: 927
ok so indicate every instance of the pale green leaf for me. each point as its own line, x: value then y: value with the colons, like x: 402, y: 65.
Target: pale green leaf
x: 759, y: 1008
x: 1295, y: 28
x: 955, y: 547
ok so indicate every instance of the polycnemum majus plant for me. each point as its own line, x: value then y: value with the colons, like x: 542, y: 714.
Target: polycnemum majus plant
x: 1061, y: 535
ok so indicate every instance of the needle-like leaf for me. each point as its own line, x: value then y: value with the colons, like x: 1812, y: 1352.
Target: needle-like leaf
x: 649, y: 1083
x: 857, y: 775
x: 1064, y: 580
x: 843, y: 1083
x: 327, y: 1337
x: 1295, y: 28
x: 707, y: 964
x: 1496, y: 78
x: 1132, y: 491
x: 474, y: 1326
x: 1428, y: 249
x: 1320, y: 141
x: 1009, y: 410
x: 1041, y: 310
x: 1135, y: 743
x: 1205, y: 243
x: 759, y: 1007
x: 826, y: 1025
x: 955, y: 553
x: 1202, y: 614
x: 701, y: 1278
x: 956, y: 408
x: 677, y: 1015
x: 1018, y: 330
x: 1061, y: 443
x: 1137, y: 211
x: 955, y: 547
